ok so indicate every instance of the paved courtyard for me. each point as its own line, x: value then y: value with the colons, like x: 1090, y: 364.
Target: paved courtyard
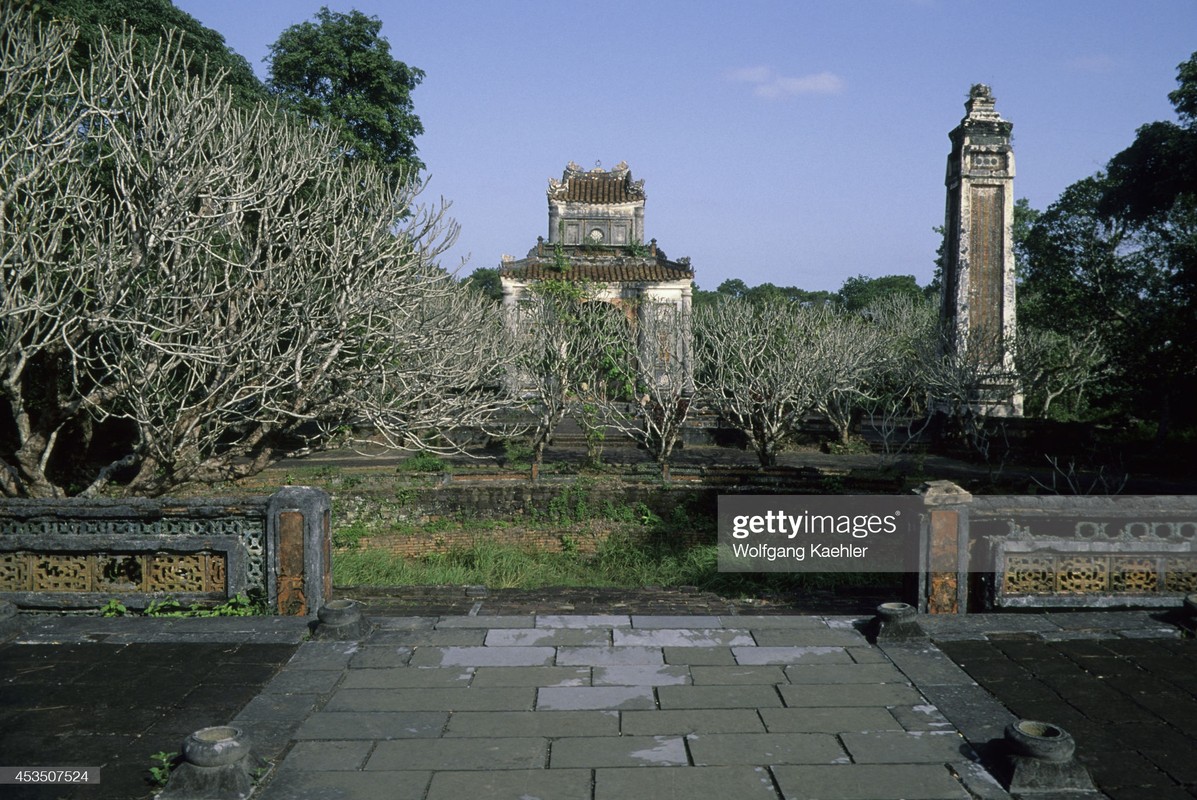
x: 601, y: 706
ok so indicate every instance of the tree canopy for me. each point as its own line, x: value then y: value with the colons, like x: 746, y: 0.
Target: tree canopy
x: 149, y: 21
x: 1116, y: 254
x: 339, y: 72
x: 862, y: 292
x: 224, y: 290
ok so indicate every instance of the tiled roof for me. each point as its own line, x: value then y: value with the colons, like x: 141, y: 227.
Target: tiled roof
x: 604, y: 188
x: 627, y: 270
x: 596, y: 186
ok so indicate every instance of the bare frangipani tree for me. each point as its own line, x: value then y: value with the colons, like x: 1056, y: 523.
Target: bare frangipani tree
x: 565, y: 347
x: 660, y: 379
x: 1054, y: 366
x: 216, y: 286
x: 846, y: 355
x: 47, y: 209
x: 752, y: 367
x: 967, y: 378
x: 896, y: 398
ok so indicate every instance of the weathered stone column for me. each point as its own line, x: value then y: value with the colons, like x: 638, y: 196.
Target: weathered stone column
x: 978, y: 278
x: 299, y: 550
x: 943, y: 567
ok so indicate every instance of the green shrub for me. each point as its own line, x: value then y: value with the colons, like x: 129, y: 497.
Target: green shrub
x: 422, y: 462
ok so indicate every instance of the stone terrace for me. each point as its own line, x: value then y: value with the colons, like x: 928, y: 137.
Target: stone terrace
x: 608, y: 706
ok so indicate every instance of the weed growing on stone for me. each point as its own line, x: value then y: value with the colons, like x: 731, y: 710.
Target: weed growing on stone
x: 241, y: 605
x: 113, y: 608
x: 161, y: 763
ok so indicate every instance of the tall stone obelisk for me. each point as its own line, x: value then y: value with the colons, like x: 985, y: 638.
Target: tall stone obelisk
x: 978, y: 281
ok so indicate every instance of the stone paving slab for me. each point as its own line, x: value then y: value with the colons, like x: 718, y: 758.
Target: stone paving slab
x: 678, y: 697
x: 268, y: 707
x: 293, y: 784
x: 886, y: 694
x: 522, y: 784
x: 531, y: 676
x: 374, y: 725
x: 785, y: 621
x: 729, y: 749
x: 737, y: 676
x: 640, y: 676
x: 808, y: 638
x: 885, y: 747
x: 668, y: 637
x: 843, y: 673
x: 349, y: 755
x: 619, y: 751
x: 791, y: 655
x: 729, y: 720
x: 923, y: 717
x: 505, y: 621
x: 828, y: 720
x: 678, y: 621
x: 303, y: 682
x: 520, y: 698
x: 552, y: 724
x: 868, y: 782
x: 417, y: 677
x: 583, y: 621
x: 483, y: 657
x: 685, y: 783
x: 716, y: 656
x: 392, y: 623
x: 609, y: 656
x: 509, y: 752
x: 594, y: 697
x: 551, y: 637
x: 449, y: 637
x: 866, y: 655
x: 323, y: 655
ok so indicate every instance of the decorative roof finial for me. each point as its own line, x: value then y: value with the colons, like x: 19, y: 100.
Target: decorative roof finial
x: 980, y: 104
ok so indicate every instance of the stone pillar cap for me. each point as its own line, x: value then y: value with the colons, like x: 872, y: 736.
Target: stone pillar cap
x: 940, y: 493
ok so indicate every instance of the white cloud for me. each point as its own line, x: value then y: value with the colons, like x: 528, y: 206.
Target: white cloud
x: 767, y: 83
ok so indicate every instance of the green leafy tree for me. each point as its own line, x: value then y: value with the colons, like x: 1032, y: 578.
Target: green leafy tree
x: 339, y: 72
x: 1117, y: 253
x: 486, y: 280
x: 861, y: 292
x: 762, y: 293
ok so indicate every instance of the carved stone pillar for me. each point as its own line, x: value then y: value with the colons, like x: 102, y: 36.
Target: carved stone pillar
x: 978, y: 280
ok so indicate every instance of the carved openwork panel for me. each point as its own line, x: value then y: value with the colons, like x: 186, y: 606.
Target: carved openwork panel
x: 1029, y: 574
x: 1082, y: 574
x: 189, y: 572
x: 1134, y: 574
x: 14, y: 570
x: 167, y: 573
x: 1054, y: 573
x: 250, y: 531
x: 58, y: 572
x: 1180, y: 575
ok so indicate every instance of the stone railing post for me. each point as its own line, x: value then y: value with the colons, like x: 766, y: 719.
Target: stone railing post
x: 943, y: 553
x: 299, y: 550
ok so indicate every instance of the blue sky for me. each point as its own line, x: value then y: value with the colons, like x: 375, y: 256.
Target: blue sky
x: 799, y: 143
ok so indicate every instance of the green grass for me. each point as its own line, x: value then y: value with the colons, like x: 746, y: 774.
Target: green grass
x: 619, y: 561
